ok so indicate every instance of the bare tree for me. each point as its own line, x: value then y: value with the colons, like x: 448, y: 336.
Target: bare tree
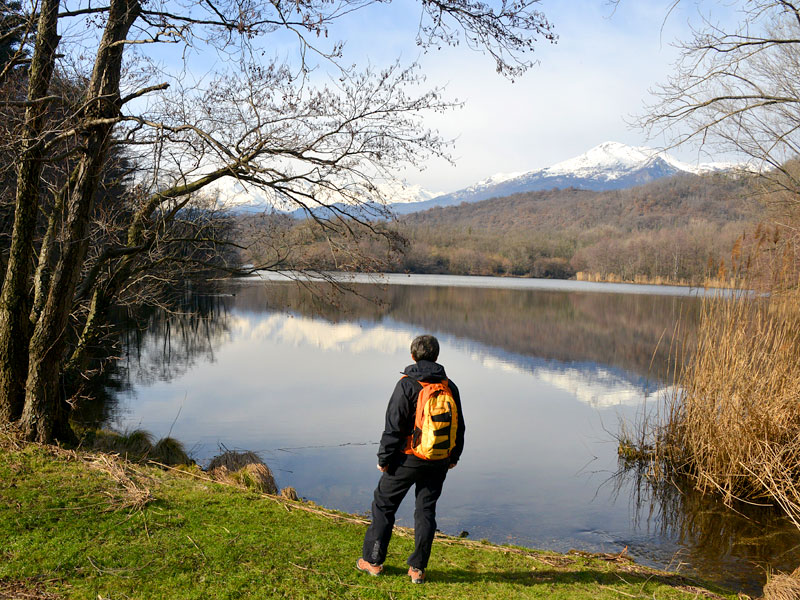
x: 282, y: 127
x: 739, y: 90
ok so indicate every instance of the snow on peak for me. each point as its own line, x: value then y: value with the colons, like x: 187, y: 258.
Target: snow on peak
x: 399, y: 192
x: 609, y: 160
x: 614, y: 159
x: 497, y: 178
x: 611, y: 157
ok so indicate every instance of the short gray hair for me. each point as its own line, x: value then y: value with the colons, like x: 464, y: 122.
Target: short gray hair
x: 425, y: 347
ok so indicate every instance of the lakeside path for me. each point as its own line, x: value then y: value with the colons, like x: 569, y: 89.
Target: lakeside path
x: 80, y: 525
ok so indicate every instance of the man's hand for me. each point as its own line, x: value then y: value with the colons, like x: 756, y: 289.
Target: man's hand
x: 383, y: 469
x: 452, y: 465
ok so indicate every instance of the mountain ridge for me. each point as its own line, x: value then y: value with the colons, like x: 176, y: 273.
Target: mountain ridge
x: 608, y: 166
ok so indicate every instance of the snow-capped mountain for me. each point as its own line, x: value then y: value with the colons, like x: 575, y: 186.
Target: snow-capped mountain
x: 610, y: 165
x: 246, y: 198
x: 242, y: 197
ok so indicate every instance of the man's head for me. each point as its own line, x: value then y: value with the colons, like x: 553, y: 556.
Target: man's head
x: 425, y: 347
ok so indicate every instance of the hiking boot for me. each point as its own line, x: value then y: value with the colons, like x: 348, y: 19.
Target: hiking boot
x: 417, y: 575
x: 368, y: 567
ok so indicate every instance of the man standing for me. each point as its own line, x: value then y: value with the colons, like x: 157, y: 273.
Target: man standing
x: 420, y: 442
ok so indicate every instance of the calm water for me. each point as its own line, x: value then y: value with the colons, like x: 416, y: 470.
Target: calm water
x: 546, y: 374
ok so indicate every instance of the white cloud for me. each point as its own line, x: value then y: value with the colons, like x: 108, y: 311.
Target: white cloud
x: 585, y: 91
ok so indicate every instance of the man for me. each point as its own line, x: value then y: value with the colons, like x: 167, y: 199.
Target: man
x: 402, y: 462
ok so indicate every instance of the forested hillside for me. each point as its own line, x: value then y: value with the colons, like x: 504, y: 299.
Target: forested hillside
x: 671, y: 202
x: 679, y: 228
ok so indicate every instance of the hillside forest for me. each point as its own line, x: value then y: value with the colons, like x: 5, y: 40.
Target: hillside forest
x: 680, y: 229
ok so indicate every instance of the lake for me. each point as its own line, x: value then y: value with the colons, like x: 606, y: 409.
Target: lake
x: 301, y: 374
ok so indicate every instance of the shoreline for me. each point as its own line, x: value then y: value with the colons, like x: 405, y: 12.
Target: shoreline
x: 481, y: 281
x: 83, y: 524
x: 710, y: 284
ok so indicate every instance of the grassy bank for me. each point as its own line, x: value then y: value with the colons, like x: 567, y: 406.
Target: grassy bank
x: 76, y: 525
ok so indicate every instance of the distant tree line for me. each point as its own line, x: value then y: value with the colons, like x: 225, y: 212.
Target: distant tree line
x: 679, y: 229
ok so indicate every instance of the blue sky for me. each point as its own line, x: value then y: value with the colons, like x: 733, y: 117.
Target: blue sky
x: 585, y: 90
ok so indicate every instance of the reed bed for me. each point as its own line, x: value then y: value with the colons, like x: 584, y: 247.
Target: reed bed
x: 733, y: 422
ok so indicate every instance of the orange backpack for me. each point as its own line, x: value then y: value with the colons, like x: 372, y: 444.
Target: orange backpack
x: 435, y: 424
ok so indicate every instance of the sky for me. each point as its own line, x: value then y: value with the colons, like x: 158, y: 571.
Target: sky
x: 586, y: 89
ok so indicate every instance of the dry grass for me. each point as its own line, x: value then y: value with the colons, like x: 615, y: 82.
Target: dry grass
x: 25, y: 590
x: 132, y: 489
x: 734, y: 422
x: 132, y: 492
x: 245, y: 469
x: 233, y: 461
x: 783, y: 586
x: 9, y: 437
x: 289, y: 493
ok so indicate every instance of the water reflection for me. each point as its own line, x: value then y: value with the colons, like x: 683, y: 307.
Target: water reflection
x: 152, y: 345
x: 741, y: 543
x: 631, y: 332
x: 160, y: 345
x: 304, y: 379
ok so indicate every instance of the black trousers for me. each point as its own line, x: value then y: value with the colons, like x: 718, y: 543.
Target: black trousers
x: 392, y: 487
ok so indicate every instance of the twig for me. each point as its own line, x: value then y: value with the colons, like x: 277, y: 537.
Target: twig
x: 616, y: 591
x: 198, y: 547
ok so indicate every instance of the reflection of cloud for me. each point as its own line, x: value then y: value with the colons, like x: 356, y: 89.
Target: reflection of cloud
x: 590, y: 383
x: 600, y: 389
x: 352, y: 338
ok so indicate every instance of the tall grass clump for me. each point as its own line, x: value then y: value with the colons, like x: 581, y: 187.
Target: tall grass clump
x: 134, y: 445
x: 245, y: 469
x: 170, y: 451
x: 138, y: 446
x: 733, y: 422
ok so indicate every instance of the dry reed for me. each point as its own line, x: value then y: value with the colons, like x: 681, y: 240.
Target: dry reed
x: 783, y: 586
x: 733, y: 424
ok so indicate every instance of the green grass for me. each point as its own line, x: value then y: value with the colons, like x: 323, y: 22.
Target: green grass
x: 74, y: 526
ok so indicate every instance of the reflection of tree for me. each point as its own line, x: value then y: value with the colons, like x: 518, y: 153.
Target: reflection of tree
x: 732, y: 544
x: 161, y: 345
x: 619, y: 330
x: 153, y: 345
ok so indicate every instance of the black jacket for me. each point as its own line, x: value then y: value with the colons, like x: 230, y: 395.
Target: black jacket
x: 401, y: 412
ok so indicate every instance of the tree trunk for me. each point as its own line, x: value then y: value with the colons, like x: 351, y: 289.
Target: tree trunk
x: 47, y: 252
x: 91, y: 333
x: 44, y: 416
x: 15, y: 295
